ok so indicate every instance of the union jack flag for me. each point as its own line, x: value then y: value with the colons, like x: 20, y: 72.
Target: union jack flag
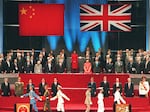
x: 106, y: 17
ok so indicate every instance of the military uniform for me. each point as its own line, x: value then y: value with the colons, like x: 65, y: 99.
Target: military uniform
x: 47, y: 102
x: 19, y: 88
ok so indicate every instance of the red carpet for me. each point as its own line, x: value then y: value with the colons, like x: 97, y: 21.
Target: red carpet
x: 74, y: 86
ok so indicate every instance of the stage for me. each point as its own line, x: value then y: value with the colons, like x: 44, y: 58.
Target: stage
x: 74, y: 86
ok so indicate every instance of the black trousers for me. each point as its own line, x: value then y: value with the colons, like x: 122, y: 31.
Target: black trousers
x: 114, y: 106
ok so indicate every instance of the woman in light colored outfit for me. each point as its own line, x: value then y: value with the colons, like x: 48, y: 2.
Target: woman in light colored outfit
x: 100, y: 101
x: 88, y: 101
x: 60, y: 96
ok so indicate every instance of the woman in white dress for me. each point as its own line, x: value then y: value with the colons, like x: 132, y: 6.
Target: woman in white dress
x: 60, y: 96
x: 100, y: 101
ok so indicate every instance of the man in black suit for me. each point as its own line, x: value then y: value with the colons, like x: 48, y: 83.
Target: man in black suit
x: 129, y: 88
x: 117, y: 84
x: 5, y: 86
x: 42, y: 87
x: 105, y: 85
x: 54, y: 87
x: 49, y: 67
x: 92, y: 84
x: 27, y: 66
x: 30, y: 84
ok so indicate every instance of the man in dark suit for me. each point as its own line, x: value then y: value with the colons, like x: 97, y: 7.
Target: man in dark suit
x: 60, y: 67
x: 54, y: 87
x: 5, y: 86
x: 42, y: 87
x: 96, y: 66
x: 30, y: 84
x: 8, y: 65
x: 49, y: 67
x: 105, y: 85
x: 129, y: 88
x: 28, y: 67
x: 117, y: 84
x: 92, y: 84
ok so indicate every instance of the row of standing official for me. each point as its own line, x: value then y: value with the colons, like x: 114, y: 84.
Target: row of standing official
x: 129, y: 87
x: 117, y: 92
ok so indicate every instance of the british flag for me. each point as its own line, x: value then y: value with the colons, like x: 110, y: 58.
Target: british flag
x: 106, y: 17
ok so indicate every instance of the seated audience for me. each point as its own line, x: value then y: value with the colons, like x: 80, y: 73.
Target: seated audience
x: 87, y: 67
x: 143, y: 87
x: 19, y: 87
x: 106, y: 87
x: 92, y: 84
x: 42, y: 87
x: 74, y: 62
x: 129, y: 88
x: 54, y: 87
x: 5, y: 87
x: 117, y: 84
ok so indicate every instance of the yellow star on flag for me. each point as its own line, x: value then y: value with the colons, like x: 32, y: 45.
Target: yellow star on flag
x: 23, y: 11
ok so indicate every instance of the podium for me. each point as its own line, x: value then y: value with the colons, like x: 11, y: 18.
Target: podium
x: 123, y: 108
x: 22, y: 107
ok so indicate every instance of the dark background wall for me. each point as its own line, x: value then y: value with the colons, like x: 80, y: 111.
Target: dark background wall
x: 121, y: 40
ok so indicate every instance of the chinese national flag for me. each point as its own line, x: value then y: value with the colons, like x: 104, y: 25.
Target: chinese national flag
x: 37, y: 19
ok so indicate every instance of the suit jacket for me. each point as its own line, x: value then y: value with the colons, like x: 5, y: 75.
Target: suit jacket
x: 41, y: 89
x: 146, y: 67
x: 114, y: 87
x: 15, y: 68
x: 60, y: 69
x: 129, y: 90
x: 106, y: 88
x: 109, y: 67
x: 5, y: 89
x: 119, y: 67
x: 96, y: 67
x: 139, y: 68
x: 51, y: 69
x: 54, y: 89
x: 28, y: 68
x: 28, y: 87
x: 93, y: 88
x: 8, y: 69
x: 131, y: 68
x: 19, y: 86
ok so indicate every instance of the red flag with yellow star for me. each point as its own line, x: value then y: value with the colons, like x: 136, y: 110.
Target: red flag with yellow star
x: 37, y: 19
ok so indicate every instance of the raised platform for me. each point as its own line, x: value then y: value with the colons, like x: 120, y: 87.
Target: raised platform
x: 74, y: 86
x: 138, y: 104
